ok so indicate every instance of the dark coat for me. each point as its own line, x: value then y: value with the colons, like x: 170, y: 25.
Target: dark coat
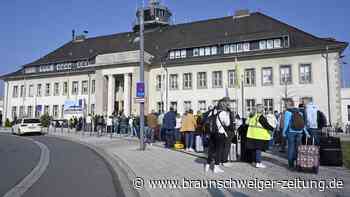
x: 169, y: 120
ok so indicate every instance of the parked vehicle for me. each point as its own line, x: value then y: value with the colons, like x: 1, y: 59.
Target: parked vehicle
x: 27, y: 125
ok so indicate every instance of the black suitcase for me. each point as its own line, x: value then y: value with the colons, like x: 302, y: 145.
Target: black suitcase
x: 330, y: 151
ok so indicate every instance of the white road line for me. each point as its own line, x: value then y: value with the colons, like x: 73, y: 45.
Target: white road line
x: 34, y: 175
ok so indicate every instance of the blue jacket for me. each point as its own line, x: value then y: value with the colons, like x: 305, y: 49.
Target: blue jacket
x: 287, y: 123
x: 169, y: 120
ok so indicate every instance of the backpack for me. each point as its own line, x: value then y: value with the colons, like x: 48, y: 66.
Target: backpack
x: 298, y: 122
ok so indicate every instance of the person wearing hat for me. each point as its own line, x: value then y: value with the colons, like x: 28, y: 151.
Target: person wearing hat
x: 258, y: 135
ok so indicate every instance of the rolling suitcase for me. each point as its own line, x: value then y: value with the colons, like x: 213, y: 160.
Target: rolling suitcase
x: 308, y: 158
x: 330, y: 149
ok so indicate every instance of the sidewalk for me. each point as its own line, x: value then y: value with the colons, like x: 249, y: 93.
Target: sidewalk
x: 157, y: 163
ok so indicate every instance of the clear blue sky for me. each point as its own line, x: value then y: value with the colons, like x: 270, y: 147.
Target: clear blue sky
x: 32, y: 28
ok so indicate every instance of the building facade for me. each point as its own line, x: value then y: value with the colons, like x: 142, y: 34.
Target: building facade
x: 250, y: 57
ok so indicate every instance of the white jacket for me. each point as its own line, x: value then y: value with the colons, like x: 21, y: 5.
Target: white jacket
x: 311, y: 116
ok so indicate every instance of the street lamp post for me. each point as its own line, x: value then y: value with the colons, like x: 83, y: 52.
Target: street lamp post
x: 325, y: 56
x: 142, y: 105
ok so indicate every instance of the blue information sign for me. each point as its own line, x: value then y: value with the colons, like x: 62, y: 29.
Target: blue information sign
x: 140, y: 89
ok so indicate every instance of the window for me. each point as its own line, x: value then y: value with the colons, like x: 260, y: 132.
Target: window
x: 30, y: 111
x: 65, y: 88
x: 267, y: 76
x: 93, y: 109
x: 187, y: 81
x: 183, y: 53
x: 55, y: 111
x: 172, y: 55
x: 277, y: 43
x: 201, y: 51
x: 84, y: 87
x: 231, y: 78
x: 226, y: 49
x: 47, y: 89
x: 187, y: 105
x: 158, y: 82
x: 348, y: 112
x: 233, y: 48
x: 305, y: 100
x: 173, y: 82
x: 239, y: 47
x: 93, y: 86
x: 173, y: 105
x: 177, y: 54
x: 22, y: 91
x: 14, y: 112
x: 47, y: 109
x: 269, y: 44
x: 305, y: 73
x: 214, y: 50
x: 202, y: 80
x: 286, y: 74
x: 202, y: 106
x: 38, y: 90
x: 246, y: 46
x: 56, y: 89
x: 250, y: 106
x: 207, y: 51
x: 31, y: 90
x: 195, y: 52
x: 268, y: 105
x: 262, y: 44
x: 38, y: 111
x: 249, y: 77
x: 21, y: 112
x: 217, y: 79
x: 75, y: 87
x: 15, y: 91
x: 62, y: 111
x: 160, y: 107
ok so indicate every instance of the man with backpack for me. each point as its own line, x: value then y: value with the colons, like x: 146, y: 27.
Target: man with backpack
x: 218, y: 121
x: 294, y: 127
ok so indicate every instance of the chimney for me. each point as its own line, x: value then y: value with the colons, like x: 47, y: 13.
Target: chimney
x: 241, y: 13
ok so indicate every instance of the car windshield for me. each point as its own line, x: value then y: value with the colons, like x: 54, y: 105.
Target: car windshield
x: 31, y: 121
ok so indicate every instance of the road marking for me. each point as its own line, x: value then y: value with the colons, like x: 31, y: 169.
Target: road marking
x: 34, y: 175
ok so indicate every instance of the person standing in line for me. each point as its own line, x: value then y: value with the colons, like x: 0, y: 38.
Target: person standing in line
x: 178, y: 127
x: 161, y: 129
x: 169, y: 123
x: 219, y: 121
x: 294, y: 127
x: 89, y: 123
x: 312, y: 126
x: 188, y: 127
x: 258, y: 135
x: 152, y: 123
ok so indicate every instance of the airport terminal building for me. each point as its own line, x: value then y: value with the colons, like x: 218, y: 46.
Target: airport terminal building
x: 189, y: 65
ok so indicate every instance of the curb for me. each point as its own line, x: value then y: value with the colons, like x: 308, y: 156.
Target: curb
x: 121, y: 173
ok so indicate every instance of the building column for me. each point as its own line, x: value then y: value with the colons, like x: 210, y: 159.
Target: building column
x: 127, y: 94
x: 111, y: 95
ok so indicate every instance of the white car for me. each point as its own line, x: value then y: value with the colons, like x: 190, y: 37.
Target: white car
x: 27, y: 125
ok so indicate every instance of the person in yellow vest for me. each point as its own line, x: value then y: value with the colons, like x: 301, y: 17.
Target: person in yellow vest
x: 259, y: 134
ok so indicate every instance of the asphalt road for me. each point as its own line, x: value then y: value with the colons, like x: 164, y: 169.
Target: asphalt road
x: 74, y: 170
x: 18, y: 157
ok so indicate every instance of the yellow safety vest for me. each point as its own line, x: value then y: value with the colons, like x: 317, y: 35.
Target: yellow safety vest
x: 256, y: 130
